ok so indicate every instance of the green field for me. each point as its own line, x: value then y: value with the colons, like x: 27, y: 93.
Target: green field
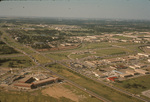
x: 96, y: 45
x: 16, y: 62
x: 58, y: 56
x: 135, y: 85
x: 92, y: 85
x: 113, y: 51
x: 122, y: 37
x: 4, y: 49
x: 41, y: 59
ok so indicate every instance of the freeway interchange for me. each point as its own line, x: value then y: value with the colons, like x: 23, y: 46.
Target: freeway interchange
x: 70, y: 68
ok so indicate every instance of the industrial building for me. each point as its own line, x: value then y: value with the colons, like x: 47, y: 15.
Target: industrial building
x: 27, y: 80
x: 45, y: 82
x: 112, y: 79
x: 132, y: 72
x: 125, y: 75
x: 141, y: 71
x: 24, y: 85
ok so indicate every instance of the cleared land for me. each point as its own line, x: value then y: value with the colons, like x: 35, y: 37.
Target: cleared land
x: 68, y: 91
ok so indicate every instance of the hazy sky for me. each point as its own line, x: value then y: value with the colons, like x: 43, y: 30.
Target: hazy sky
x: 124, y: 9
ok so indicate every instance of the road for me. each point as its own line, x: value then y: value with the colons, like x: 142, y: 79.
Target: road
x: 101, y: 82
x: 54, y: 61
x: 78, y: 86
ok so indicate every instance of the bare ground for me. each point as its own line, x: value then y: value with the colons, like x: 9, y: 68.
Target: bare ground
x: 58, y: 91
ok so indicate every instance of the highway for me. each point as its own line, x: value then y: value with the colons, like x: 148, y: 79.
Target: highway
x: 112, y: 87
x: 78, y: 86
x: 54, y: 61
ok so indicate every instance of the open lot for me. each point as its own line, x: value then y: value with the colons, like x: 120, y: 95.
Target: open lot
x: 70, y: 92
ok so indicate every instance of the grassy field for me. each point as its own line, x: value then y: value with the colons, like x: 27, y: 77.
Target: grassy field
x: 125, y: 43
x: 74, y: 56
x: 112, y: 51
x: 16, y: 62
x: 96, y: 45
x: 122, y: 37
x: 135, y: 85
x: 58, y: 56
x: 4, y: 49
x: 41, y: 59
x: 91, y: 85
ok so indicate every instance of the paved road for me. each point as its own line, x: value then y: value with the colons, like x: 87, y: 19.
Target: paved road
x: 112, y: 87
x: 80, y: 87
x: 88, y: 91
x: 54, y: 61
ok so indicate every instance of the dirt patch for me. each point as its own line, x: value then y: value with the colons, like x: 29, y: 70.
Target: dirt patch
x: 58, y: 91
x: 146, y: 93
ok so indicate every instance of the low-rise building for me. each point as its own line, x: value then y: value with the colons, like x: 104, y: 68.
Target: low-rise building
x: 45, y: 82
x: 24, y: 85
x: 142, y: 71
x: 125, y: 75
x: 132, y: 72
x: 112, y: 79
x: 27, y: 80
x: 143, y: 54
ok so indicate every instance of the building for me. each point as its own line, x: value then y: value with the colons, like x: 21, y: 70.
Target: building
x: 45, y: 82
x: 132, y: 72
x: 143, y: 54
x: 125, y: 75
x: 24, y: 85
x: 112, y: 79
x: 27, y: 80
x: 141, y: 71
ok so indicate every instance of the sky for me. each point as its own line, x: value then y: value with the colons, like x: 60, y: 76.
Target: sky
x: 105, y: 9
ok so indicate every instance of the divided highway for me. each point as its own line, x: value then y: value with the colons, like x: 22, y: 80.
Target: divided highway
x: 69, y: 81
